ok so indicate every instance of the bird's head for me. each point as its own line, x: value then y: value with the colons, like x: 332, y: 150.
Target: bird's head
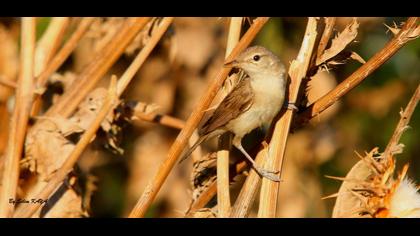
x: 257, y: 60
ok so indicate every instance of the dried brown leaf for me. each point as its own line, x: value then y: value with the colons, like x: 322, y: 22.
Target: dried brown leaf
x: 46, y: 147
x: 203, y: 174
x: 340, y: 42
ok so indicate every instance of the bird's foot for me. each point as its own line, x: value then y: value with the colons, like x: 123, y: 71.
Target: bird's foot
x: 291, y: 106
x: 271, y: 175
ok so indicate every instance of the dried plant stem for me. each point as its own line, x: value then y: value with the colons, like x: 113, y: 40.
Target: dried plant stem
x: 181, y: 141
x: 223, y: 191
x: 29, y: 209
x: 162, y: 119
x: 403, y: 123
x: 409, y: 31
x: 19, y: 122
x: 59, y: 58
x: 50, y: 41
x: 225, y: 142
x: 246, y: 197
x: 120, y: 86
x: 93, y: 72
x: 326, y: 36
x: 144, y: 53
x: 297, y: 71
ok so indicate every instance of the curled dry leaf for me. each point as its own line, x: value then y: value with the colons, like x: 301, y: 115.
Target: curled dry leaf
x: 203, y: 174
x: 113, y: 129
x: 339, y: 43
x: 87, y: 110
x: 46, y: 145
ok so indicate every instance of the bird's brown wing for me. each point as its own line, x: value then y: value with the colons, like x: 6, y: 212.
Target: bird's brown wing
x: 235, y: 103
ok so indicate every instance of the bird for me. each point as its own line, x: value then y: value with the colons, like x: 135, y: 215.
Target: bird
x: 254, y: 101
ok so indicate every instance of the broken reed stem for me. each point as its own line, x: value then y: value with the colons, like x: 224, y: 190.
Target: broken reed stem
x: 144, y: 53
x: 326, y: 36
x: 222, y: 180
x: 20, y: 117
x: 297, y: 72
x: 50, y: 41
x: 29, y: 209
x: 94, y: 71
x: 161, y: 119
x: 246, y: 197
x: 403, y: 123
x: 225, y: 141
x: 182, y: 139
x: 60, y: 58
x: 406, y: 34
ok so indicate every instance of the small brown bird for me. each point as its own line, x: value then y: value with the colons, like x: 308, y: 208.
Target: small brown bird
x: 254, y: 101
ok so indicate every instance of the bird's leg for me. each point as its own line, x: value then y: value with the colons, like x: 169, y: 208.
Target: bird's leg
x: 291, y: 106
x: 262, y: 172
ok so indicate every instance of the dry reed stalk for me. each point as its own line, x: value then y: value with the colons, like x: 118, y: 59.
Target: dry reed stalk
x: 225, y: 142
x: 297, y: 72
x: 93, y: 72
x: 402, y: 124
x: 19, y: 122
x: 164, y: 120
x: 409, y: 31
x: 121, y: 85
x: 246, y: 197
x: 181, y: 141
x: 29, y: 209
x: 59, y: 59
x: 326, y: 36
x: 50, y: 41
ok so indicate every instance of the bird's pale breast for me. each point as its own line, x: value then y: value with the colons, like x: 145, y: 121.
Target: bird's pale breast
x: 268, y: 100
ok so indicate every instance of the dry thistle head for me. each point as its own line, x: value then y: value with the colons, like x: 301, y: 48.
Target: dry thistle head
x: 370, y: 190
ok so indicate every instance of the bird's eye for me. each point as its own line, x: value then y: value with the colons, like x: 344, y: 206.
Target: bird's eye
x: 256, y: 58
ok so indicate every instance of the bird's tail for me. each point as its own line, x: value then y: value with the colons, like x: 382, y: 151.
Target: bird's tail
x: 196, y: 144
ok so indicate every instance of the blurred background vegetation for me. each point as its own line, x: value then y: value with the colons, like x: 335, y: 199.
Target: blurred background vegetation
x: 175, y: 76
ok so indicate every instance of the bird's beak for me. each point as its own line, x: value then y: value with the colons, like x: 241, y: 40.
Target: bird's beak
x: 231, y: 63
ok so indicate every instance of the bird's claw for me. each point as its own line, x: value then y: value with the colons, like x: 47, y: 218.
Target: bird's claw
x: 271, y: 175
